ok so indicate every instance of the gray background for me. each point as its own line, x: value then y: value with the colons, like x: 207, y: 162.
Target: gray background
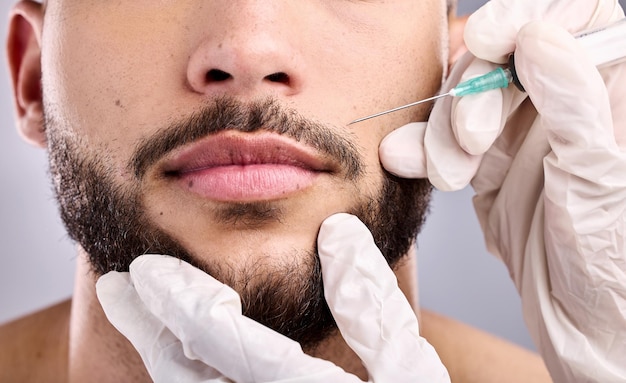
x: 457, y: 276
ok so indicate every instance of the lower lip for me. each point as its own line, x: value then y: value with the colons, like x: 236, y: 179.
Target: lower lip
x: 243, y: 183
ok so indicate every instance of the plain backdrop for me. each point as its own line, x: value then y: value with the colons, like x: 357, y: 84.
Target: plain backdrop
x: 457, y: 276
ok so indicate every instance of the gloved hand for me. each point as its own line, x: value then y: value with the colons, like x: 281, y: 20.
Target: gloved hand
x: 449, y: 148
x: 549, y: 174
x: 188, y: 327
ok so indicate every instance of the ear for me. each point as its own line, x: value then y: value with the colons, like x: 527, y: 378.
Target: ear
x: 24, y: 55
x: 457, y: 44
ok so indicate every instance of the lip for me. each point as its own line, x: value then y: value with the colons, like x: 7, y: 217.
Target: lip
x: 245, y: 167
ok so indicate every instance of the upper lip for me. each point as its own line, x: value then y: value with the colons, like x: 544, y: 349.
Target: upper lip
x: 233, y: 148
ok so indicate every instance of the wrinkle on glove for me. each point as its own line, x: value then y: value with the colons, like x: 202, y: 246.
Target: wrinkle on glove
x: 585, y: 188
x: 566, y: 254
x: 385, y: 333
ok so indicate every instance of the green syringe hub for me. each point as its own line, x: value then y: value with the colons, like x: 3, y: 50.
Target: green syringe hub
x: 499, y: 78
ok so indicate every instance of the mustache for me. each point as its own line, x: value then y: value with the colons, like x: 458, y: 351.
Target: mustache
x: 227, y: 113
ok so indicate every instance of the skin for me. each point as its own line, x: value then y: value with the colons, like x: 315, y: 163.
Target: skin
x: 115, y: 74
x: 111, y: 119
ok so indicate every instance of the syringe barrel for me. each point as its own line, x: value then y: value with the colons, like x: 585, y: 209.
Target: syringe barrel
x: 606, y: 46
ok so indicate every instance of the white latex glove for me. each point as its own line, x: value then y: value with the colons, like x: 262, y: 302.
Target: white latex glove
x: 551, y: 189
x: 188, y: 327
x: 449, y: 148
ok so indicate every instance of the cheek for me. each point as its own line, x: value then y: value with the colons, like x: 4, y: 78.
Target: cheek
x: 105, y: 72
x: 394, y: 66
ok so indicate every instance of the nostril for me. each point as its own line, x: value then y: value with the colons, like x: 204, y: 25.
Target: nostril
x: 279, y: 77
x: 216, y: 75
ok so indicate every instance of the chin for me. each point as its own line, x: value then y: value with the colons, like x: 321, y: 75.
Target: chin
x: 232, y: 232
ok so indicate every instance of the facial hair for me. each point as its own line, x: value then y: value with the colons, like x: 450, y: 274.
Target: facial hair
x: 109, y: 222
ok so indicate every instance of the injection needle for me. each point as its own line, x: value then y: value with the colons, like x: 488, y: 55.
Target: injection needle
x: 498, y: 78
x: 399, y: 108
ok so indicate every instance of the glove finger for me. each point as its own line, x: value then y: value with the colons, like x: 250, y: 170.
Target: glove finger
x: 371, y: 311
x: 449, y: 167
x: 402, y: 151
x: 491, y: 32
x: 160, y: 350
x: 573, y: 104
x: 477, y: 119
x: 206, y: 316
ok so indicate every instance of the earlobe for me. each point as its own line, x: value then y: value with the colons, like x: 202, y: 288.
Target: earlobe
x: 24, y: 54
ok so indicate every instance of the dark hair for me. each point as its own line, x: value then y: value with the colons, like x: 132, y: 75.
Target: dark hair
x: 451, y: 6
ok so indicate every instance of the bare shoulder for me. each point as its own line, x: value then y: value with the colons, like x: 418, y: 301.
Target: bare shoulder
x: 35, y: 348
x: 472, y: 355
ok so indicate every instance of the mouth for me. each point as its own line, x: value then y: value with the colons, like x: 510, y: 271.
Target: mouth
x: 245, y: 167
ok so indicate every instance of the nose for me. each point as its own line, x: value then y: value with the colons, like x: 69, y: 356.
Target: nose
x: 247, y: 49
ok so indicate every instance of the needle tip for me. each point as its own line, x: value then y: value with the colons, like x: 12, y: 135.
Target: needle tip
x: 400, y: 108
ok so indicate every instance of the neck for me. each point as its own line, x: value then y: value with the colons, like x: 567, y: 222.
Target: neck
x: 98, y: 349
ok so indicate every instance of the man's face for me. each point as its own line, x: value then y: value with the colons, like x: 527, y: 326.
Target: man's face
x: 217, y: 131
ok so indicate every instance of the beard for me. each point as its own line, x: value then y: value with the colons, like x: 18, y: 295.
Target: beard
x: 109, y: 221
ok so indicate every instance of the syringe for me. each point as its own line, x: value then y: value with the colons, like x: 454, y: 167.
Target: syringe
x: 606, y: 46
x: 499, y: 78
